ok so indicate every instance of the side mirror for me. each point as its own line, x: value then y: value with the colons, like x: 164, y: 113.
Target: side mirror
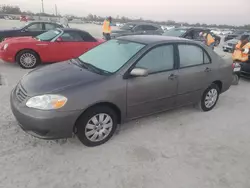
x: 139, y: 72
x: 59, y: 39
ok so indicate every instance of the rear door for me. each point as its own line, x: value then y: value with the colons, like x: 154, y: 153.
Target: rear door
x: 157, y: 91
x: 195, y: 73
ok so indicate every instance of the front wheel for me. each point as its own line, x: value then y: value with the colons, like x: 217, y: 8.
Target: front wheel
x: 27, y: 59
x: 209, y: 98
x: 96, y: 126
x: 236, y: 79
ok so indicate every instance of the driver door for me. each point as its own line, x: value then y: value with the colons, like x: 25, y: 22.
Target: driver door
x: 70, y: 46
x: 157, y: 91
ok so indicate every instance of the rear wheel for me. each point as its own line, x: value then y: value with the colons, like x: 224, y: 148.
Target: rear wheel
x: 96, y: 126
x: 236, y: 79
x: 209, y: 98
x: 27, y: 59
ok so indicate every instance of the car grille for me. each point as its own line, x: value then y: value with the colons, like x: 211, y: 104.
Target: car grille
x: 21, y: 94
x: 230, y: 44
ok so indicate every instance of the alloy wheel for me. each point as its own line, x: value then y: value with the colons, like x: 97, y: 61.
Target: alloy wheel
x: 99, y: 127
x: 211, y: 98
x: 28, y: 60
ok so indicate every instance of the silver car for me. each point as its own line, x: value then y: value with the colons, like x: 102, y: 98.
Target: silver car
x: 117, y: 81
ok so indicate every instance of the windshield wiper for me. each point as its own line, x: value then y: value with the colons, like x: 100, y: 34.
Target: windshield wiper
x: 91, y: 67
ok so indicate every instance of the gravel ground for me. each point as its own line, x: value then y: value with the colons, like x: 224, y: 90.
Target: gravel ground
x: 184, y: 148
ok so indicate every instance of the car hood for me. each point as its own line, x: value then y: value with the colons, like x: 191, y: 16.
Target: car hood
x: 20, y: 39
x: 233, y: 41
x: 57, y: 77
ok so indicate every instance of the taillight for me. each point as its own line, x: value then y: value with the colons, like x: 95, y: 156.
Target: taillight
x: 233, y: 65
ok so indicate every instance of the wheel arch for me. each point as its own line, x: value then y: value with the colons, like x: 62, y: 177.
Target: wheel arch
x: 108, y: 104
x: 27, y: 49
x: 219, y: 84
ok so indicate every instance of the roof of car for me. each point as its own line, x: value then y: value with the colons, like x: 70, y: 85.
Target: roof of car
x: 150, y: 39
x: 72, y: 29
x: 42, y: 21
x: 142, y: 23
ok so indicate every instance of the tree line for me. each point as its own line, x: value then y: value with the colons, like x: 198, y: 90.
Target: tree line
x: 9, y: 9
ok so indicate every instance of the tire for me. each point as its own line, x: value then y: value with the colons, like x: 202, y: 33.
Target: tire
x: 202, y: 104
x: 31, y: 61
x: 236, y: 79
x: 85, y: 125
x: 217, y: 43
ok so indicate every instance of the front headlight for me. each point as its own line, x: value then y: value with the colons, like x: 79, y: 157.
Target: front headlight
x: 47, y: 102
x: 5, y: 46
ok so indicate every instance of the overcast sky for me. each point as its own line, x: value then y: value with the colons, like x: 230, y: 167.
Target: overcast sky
x: 236, y: 12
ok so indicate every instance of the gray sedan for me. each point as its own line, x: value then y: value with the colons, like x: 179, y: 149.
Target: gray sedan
x: 115, y: 82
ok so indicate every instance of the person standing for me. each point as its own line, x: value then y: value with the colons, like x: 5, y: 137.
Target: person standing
x: 242, y: 50
x: 210, y: 41
x: 106, y: 28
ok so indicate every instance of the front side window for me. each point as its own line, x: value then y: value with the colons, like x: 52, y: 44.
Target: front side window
x: 112, y: 55
x: 49, y: 35
x: 35, y: 27
x: 190, y: 55
x: 158, y: 59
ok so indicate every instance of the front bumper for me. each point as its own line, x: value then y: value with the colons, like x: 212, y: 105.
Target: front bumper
x: 43, y: 124
x: 7, y: 57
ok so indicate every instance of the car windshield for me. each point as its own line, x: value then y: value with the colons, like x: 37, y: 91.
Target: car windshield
x: 111, y: 56
x: 49, y: 35
x: 175, y: 32
x: 128, y: 26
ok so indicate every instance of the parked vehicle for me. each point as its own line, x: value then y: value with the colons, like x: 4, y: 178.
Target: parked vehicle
x: 30, y: 29
x: 137, y: 28
x: 119, y: 80
x: 235, y: 35
x: 190, y: 33
x: 245, y: 69
x: 229, y: 45
x: 51, y: 46
x: 236, y: 72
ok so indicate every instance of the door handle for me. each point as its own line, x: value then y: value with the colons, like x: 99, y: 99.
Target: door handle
x: 172, y: 76
x: 208, y: 70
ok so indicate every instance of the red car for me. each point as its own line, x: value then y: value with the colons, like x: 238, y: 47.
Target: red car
x: 52, y: 46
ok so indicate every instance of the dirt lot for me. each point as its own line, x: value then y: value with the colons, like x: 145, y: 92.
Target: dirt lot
x: 184, y: 148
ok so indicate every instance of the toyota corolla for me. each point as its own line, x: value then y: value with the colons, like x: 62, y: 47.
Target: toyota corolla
x: 117, y: 81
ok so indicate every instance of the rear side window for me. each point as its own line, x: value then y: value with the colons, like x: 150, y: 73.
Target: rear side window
x: 87, y: 37
x: 191, y: 55
x: 50, y: 26
x: 71, y: 37
x: 35, y: 27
